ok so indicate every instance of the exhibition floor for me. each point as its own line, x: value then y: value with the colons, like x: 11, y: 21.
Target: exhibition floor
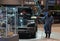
x: 40, y: 36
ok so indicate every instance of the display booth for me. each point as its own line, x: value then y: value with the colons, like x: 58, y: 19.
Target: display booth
x: 8, y: 27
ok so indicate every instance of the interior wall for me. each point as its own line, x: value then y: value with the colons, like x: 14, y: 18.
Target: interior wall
x: 14, y: 2
x: 10, y: 2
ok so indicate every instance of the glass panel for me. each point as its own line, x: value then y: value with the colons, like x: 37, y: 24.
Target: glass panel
x: 2, y: 22
x: 8, y: 21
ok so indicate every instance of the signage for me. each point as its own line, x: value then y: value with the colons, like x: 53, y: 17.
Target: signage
x: 51, y: 2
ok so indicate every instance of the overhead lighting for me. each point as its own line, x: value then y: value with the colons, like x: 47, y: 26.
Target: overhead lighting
x: 29, y: 2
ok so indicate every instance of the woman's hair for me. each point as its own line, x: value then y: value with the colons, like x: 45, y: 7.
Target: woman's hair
x: 50, y: 12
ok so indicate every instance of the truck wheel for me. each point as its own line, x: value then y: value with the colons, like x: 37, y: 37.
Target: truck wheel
x: 34, y: 35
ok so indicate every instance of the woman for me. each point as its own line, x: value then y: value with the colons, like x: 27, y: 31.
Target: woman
x: 48, y: 24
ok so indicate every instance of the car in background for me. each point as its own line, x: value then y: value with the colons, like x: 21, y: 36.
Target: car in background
x: 56, y: 15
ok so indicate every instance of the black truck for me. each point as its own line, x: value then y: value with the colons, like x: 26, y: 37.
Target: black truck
x: 27, y: 26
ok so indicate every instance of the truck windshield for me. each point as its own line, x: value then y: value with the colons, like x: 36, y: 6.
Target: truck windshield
x: 24, y: 14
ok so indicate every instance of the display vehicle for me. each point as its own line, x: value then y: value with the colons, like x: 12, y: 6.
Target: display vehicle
x: 27, y: 26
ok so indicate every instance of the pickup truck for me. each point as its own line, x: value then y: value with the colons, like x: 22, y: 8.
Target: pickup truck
x: 27, y: 26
